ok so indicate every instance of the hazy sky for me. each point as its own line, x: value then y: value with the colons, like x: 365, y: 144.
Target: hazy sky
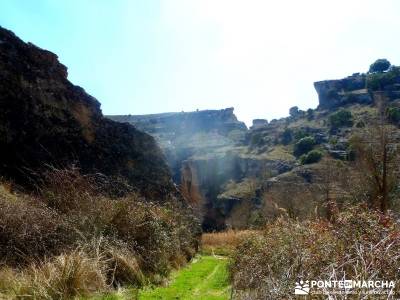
x: 259, y: 56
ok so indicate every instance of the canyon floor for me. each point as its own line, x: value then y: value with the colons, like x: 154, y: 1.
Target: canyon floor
x: 206, y: 277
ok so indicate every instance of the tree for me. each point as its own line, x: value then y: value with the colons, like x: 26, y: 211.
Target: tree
x: 342, y: 118
x: 332, y: 183
x: 379, y: 66
x: 377, y: 158
x: 393, y: 114
x: 311, y: 157
x: 303, y: 146
x: 287, y: 136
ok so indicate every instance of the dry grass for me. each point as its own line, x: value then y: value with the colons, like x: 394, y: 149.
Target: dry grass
x: 64, y: 277
x: 223, y: 242
x: 71, y: 240
x: 30, y: 230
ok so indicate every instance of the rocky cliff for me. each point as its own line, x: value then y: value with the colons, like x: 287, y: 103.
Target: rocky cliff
x: 46, y: 120
x: 358, y: 88
x: 238, y: 177
x: 187, y: 134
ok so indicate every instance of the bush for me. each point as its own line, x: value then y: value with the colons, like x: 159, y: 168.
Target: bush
x: 100, y: 242
x: 342, y: 118
x: 379, y: 66
x: 30, y: 230
x: 361, y: 245
x: 393, y: 114
x: 377, y: 81
x: 303, y: 146
x: 299, y: 134
x: 64, y: 277
x: 311, y: 157
x: 310, y: 114
x: 286, y: 136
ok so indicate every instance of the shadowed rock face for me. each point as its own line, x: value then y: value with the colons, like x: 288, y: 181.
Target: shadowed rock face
x: 183, y: 135
x: 350, y: 90
x: 46, y: 120
x: 208, y: 152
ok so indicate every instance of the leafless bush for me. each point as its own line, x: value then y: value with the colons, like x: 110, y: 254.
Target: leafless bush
x: 29, y: 230
x: 360, y: 245
x: 101, y: 242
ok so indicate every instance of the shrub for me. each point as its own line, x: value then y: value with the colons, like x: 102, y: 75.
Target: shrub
x: 393, y: 114
x: 160, y: 235
x: 377, y: 81
x: 64, y: 277
x: 303, y: 146
x: 76, y: 240
x: 287, y: 136
x: 299, y: 134
x: 30, y: 230
x: 342, y: 118
x: 379, y: 66
x: 310, y: 114
x: 311, y: 157
x: 361, y: 245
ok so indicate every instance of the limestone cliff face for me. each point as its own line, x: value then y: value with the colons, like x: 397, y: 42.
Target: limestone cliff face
x: 187, y: 134
x: 46, y: 120
x: 238, y: 177
x: 358, y: 89
x: 210, y: 155
x: 350, y: 90
x: 222, y: 121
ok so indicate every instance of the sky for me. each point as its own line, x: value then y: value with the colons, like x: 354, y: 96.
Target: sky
x: 259, y: 56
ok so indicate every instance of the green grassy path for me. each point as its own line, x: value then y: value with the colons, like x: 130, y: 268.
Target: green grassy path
x: 206, y: 278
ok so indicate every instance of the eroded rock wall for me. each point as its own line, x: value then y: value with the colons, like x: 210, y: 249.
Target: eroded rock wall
x: 46, y: 120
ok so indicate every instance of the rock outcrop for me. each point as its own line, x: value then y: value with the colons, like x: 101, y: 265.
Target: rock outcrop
x: 241, y: 178
x: 222, y: 121
x: 187, y: 134
x: 350, y: 90
x: 358, y: 89
x: 209, y: 155
x: 46, y: 120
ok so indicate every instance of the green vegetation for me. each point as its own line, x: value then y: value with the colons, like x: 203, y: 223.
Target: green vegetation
x: 342, y: 118
x: 393, y: 114
x: 299, y: 134
x: 310, y: 114
x: 379, y: 66
x: 377, y: 81
x: 206, y: 278
x: 311, y: 157
x: 303, y: 146
x: 287, y: 136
